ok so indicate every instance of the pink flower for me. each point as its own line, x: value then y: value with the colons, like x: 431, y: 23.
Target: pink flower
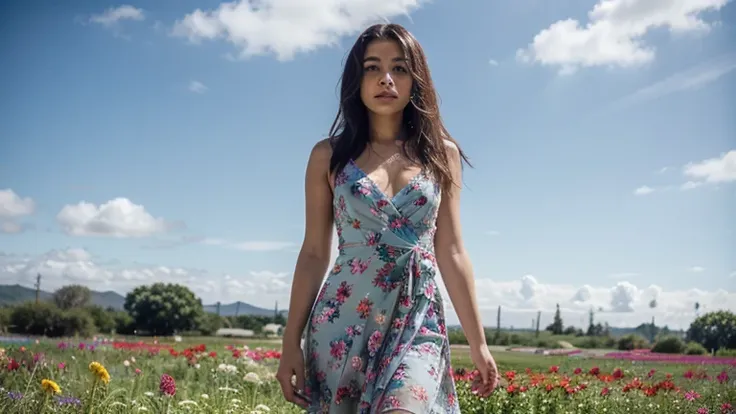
x: 167, y: 386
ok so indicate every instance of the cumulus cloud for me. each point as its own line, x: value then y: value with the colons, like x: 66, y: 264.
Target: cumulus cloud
x: 716, y: 170
x: 119, y: 218
x: 114, y: 15
x: 285, y: 28
x: 615, y: 33
x: 79, y: 266
x: 12, y: 208
x: 623, y: 304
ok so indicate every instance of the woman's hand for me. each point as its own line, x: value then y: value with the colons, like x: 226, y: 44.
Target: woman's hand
x: 487, y: 379
x: 292, y: 364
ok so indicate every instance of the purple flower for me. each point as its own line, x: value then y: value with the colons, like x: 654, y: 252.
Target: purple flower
x: 15, y: 395
x: 68, y: 401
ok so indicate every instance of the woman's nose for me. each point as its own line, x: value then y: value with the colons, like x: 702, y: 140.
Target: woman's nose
x: 386, y: 80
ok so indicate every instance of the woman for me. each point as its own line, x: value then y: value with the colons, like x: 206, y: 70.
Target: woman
x: 389, y: 179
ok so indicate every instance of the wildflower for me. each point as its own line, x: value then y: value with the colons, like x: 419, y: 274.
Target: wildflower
x: 252, y: 377
x: 691, y: 395
x: 68, y: 401
x: 15, y: 395
x: 50, y: 386
x: 167, y: 386
x: 126, y: 363
x: 100, y: 371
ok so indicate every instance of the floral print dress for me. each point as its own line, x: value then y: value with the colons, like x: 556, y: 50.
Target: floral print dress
x: 376, y: 338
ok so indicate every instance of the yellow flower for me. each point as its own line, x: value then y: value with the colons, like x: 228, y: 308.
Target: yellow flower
x: 50, y: 386
x: 99, y: 371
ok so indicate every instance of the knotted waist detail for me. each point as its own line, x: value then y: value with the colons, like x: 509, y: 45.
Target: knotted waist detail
x: 411, y: 271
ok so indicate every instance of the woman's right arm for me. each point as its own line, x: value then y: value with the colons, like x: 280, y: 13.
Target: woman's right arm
x: 314, y: 255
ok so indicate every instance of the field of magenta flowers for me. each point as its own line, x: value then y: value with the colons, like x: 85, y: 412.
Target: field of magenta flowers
x: 107, y: 376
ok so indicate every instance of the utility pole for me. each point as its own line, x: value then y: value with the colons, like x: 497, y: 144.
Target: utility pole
x: 38, y: 288
x: 218, y: 308
x: 237, y: 308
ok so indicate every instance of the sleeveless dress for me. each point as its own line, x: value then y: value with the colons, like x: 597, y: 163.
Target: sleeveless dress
x: 376, y: 339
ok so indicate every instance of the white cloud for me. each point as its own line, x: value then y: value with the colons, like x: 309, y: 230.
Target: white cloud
x: 116, y: 218
x: 285, y: 28
x: 697, y: 269
x: 713, y: 170
x: 643, y: 190
x: 690, y: 185
x: 623, y: 304
x: 13, y: 206
x: 197, y: 87
x: 493, y: 233
x: 114, y: 15
x: 689, y: 79
x: 493, y: 62
x: 615, y: 33
x: 62, y: 267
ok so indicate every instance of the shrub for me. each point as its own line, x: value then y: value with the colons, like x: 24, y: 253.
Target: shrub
x: 726, y: 352
x: 694, y: 348
x: 631, y: 342
x: 669, y: 345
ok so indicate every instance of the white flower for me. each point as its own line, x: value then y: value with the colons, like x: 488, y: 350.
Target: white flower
x: 252, y: 377
x: 261, y: 407
x: 126, y: 363
x: 188, y: 402
x: 230, y: 369
x: 148, y: 394
x: 204, y: 397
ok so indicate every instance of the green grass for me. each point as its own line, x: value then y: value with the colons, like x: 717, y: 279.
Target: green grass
x: 204, y: 388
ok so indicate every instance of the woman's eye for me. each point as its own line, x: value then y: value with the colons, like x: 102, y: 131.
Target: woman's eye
x: 371, y: 67
x: 400, y: 69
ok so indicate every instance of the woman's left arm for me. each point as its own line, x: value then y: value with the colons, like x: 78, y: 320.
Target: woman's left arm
x: 457, y: 273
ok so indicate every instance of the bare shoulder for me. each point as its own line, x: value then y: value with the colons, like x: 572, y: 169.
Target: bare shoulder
x: 453, y: 152
x: 321, y: 151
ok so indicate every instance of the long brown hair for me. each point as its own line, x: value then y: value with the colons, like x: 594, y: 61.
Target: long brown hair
x: 423, y: 124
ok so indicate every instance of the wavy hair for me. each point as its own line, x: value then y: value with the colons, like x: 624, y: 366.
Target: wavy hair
x: 425, y: 132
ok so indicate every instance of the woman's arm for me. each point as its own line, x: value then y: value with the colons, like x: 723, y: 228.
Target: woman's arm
x: 453, y: 260
x: 314, y: 255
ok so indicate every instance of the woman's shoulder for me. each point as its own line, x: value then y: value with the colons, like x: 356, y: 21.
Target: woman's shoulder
x: 322, y: 150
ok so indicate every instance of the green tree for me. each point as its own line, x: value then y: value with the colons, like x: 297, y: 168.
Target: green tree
x: 72, y: 296
x: 556, y: 326
x: 714, y: 330
x: 163, y: 309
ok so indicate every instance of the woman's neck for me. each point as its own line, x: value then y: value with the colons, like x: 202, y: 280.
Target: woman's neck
x: 385, y: 129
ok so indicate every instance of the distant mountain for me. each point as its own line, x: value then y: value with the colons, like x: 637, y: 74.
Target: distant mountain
x: 240, y: 308
x: 13, y: 294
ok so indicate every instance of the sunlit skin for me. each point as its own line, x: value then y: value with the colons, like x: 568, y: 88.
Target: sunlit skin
x: 386, y: 89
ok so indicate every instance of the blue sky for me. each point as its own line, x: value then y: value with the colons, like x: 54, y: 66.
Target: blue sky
x: 167, y: 141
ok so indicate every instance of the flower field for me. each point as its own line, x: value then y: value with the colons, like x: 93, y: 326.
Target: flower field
x: 106, y: 376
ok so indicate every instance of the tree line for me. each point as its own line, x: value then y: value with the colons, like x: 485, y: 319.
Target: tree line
x: 156, y: 309
x: 710, y: 332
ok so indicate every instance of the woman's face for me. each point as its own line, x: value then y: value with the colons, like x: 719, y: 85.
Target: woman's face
x: 386, y: 85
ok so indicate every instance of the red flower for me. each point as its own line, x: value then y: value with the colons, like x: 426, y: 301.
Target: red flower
x: 167, y: 386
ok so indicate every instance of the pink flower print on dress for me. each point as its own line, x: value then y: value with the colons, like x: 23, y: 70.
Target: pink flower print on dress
x: 359, y: 266
x: 374, y: 342
x: 338, y: 349
x: 419, y: 392
x: 356, y: 362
